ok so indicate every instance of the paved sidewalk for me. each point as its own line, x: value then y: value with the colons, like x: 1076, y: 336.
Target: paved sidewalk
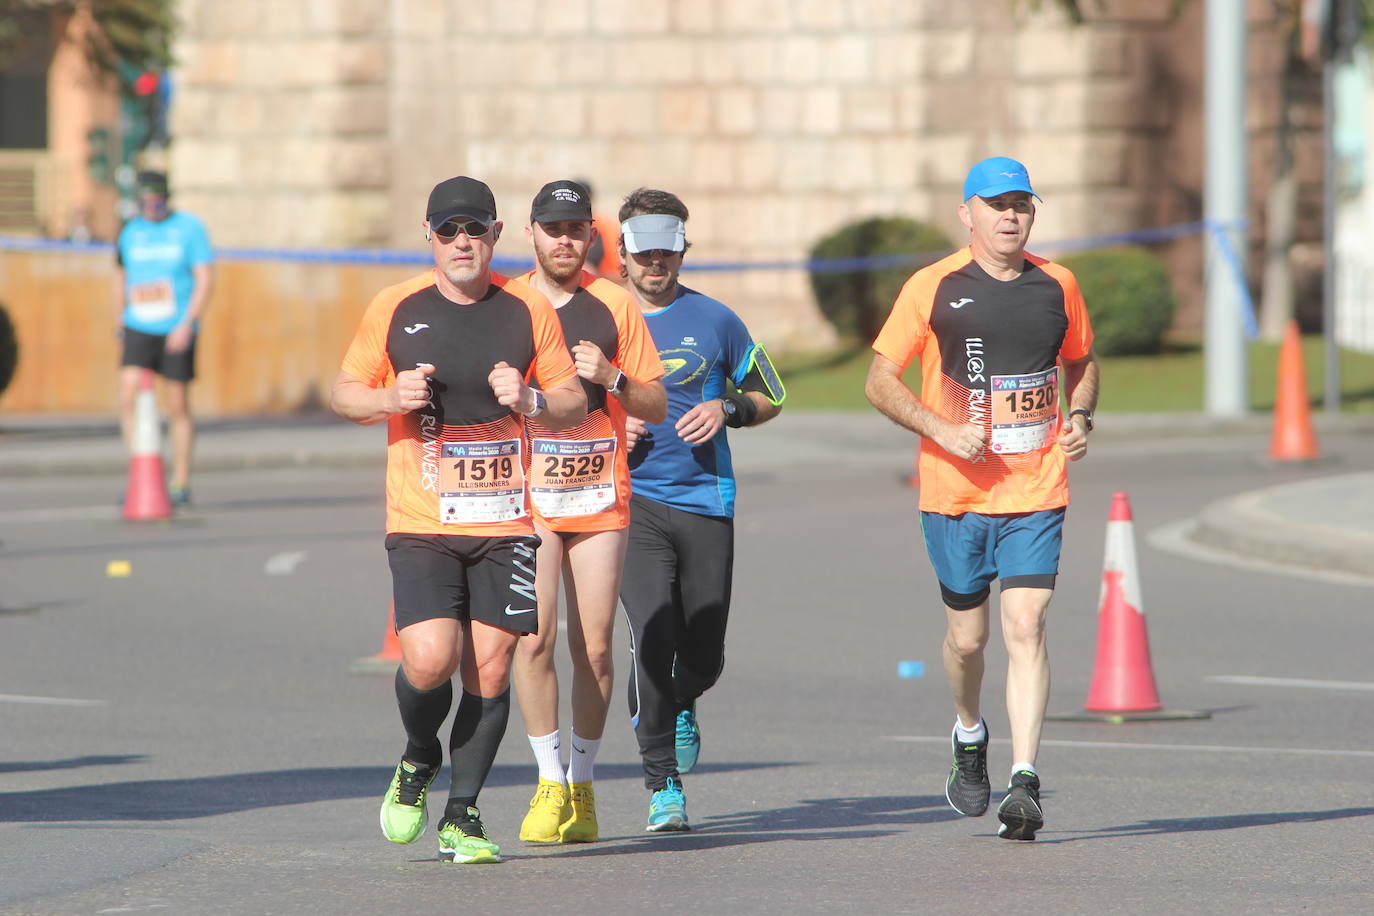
x: 1326, y: 523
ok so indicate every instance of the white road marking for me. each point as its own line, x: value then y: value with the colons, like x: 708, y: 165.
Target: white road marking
x: 48, y: 701
x: 1175, y: 538
x: 284, y: 564
x: 1288, y: 682
x: 1128, y: 746
x: 68, y: 514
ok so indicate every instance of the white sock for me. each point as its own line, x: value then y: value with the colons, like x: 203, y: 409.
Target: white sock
x: 549, y: 757
x: 1018, y: 767
x: 582, y: 758
x: 975, y: 735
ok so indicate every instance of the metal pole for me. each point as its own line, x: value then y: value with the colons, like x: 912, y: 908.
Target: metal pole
x: 1332, y: 372
x: 1339, y: 27
x: 1224, y: 208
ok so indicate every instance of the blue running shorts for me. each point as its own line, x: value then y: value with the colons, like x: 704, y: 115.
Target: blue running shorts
x: 968, y: 551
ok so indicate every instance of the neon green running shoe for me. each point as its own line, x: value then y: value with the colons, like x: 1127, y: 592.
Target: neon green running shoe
x: 403, y: 807
x: 464, y: 842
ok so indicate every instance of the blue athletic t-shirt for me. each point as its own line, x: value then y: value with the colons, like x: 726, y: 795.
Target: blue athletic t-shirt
x: 704, y: 348
x: 157, y: 258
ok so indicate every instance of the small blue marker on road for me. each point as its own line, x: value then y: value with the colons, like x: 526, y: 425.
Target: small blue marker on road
x: 911, y: 669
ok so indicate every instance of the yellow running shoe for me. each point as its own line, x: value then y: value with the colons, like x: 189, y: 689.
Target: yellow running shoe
x: 580, y: 825
x: 548, y: 809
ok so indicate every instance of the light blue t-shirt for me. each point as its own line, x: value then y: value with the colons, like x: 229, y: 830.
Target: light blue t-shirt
x: 158, y: 258
x: 705, y: 350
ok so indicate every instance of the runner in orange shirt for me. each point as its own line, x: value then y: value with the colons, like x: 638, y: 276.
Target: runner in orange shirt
x: 580, y: 490
x: 446, y: 359
x: 603, y: 255
x: 997, y: 332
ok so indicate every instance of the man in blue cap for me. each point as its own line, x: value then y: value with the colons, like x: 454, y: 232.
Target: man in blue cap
x: 999, y: 333
x: 680, y: 556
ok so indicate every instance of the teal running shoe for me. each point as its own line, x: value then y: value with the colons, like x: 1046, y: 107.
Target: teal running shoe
x: 687, y: 742
x: 403, y: 807
x: 464, y: 841
x: 668, y: 808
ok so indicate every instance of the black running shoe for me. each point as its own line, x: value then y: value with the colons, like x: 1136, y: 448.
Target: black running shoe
x: 967, y: 787
x: 1020, y: 812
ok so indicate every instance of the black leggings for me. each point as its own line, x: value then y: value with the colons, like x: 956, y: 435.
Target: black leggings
x: 676, y: 592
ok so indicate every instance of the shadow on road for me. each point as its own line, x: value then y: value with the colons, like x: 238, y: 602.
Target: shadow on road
x: 1161, y: 826
x: 71, y: 763
x: 805, y: 819
x: 207, y: 796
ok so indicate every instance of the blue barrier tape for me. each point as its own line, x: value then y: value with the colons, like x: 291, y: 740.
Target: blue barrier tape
x: 1219, y: 232
x: 1232, y: 262
x: 504, y: 264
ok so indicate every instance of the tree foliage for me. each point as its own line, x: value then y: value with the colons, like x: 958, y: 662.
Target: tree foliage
x: 135, y: 32
x: 858, y: 270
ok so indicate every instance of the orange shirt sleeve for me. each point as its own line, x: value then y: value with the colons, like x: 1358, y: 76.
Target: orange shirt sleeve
x: 553, y: 363
x: 907, y: 327
x: 1078, y: 340
x: 366, y: 359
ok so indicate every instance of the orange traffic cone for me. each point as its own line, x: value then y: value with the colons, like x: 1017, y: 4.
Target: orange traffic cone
x: 385, y: 661
x: 1293, y: 439
x: 145, y: 497
x: 1123, y: 684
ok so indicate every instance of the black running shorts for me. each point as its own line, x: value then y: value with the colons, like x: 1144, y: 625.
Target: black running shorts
x: 464, y: 577
x: 149, y: 351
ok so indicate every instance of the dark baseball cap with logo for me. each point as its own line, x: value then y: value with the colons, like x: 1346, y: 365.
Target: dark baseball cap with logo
x: 560, y: 200
x: 462, y: 197
x: 152, y: 183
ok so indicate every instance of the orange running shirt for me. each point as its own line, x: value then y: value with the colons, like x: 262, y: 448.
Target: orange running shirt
x: 989, y: 352
x: 580, y: 478
x: 457, y: 465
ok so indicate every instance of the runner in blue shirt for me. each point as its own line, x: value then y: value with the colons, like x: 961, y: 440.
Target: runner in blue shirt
x: 676, y: 585
x: 164, y: 289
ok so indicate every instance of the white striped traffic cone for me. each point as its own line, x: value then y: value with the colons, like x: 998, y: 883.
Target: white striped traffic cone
x: 145, y: 498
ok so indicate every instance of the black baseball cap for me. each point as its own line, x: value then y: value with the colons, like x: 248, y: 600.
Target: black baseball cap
x: 460, y: 197
x: 560, y: 200
x: 152, y: 182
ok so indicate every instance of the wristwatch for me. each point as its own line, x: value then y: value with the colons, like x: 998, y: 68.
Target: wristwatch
x: 730, y: 408
x: 539, y: 403
x: 619, y: 382
x: 1087, y: 416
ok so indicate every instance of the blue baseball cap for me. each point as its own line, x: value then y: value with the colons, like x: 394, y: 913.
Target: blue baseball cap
x: 997, y: 175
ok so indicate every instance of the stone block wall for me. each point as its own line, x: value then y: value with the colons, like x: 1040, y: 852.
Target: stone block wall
x: 325, y: 123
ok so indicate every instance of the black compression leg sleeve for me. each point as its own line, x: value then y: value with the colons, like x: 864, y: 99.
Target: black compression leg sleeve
x: 478, y: 729
x: 422, y: 713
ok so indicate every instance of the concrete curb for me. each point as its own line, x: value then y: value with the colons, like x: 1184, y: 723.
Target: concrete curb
x: 1248, y: 524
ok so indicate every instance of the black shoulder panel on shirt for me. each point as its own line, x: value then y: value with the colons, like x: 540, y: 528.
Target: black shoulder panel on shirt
x: 585, y: 317
x: 464, y: 343
x: 986, y: 326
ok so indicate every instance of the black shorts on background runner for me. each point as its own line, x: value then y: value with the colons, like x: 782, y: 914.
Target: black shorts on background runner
x: 149, y: 351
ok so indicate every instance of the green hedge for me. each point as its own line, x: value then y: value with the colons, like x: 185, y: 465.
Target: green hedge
x: 857, y: 302
x: 1129, y: 298
x: 9, y: 350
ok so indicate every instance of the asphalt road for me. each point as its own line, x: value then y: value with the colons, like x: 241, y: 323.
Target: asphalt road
x: 189, y: 738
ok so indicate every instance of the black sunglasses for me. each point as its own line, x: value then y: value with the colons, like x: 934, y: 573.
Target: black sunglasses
x: 469, y: 227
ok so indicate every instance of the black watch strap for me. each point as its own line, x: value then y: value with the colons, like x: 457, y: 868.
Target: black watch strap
x: 1087, y: 416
